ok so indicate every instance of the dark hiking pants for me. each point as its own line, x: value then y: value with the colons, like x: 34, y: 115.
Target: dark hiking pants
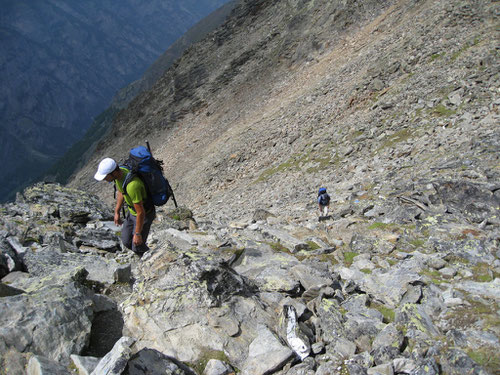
x: 128, y: 230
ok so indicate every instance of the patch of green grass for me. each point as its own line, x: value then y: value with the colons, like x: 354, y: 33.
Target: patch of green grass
x: 435, y: 276
x: 321, y: 163
x: 441, y: 111
x: 349, y: 257
x: 400, y: 136
x: 200, y: 364
x: 293, y: 163
x: 486, y: 357
x: 366, y: 270
x: 278, y: 247
x: 313, y: 245
x: 30, y: 240
x: 392, y: 262
x: 389, y: 314
x: 438, y: 56
x: 476, y: 311
x: 417, y: 243
x: 379, y: 225
x: 321, y: 157
x: 483, y: 273
x: 464, y: 48
x: 328, y: 258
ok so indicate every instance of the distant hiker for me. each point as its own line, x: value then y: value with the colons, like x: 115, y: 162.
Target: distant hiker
x: 141, y: 213
x: 323, y: 201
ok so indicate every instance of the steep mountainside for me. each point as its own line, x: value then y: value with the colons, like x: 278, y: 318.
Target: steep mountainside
x: 82, y: 150
x: 62, y: 62
x: 362, y: 97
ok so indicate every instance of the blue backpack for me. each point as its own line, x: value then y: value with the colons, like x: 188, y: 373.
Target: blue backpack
x: 142, y: 164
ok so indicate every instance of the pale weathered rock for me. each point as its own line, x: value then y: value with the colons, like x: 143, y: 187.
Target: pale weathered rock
x: 182, y: 236
x: 284, y: 238
x: 39, y: 365
x: 59, y: 324
x: 115, y: 361
x: 265, y: 354
x: 385, y: 369
x: 217, y: 367
x: 390, y: 336
x: 84, y: 365
x: 268, y: 269
x: 403, y: 365
x: 123, y: 274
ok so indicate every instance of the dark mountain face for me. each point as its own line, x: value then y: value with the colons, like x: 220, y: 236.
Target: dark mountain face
x: 61, y: 63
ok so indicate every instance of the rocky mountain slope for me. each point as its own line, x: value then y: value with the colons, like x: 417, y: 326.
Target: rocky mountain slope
x: 392, y: 105
x: 77, y: 155
x: 61, y: 64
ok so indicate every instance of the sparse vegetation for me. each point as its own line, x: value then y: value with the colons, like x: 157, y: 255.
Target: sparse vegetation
x: 442, y: 111
x: 397, y: 137
x: 437, y: 56
x: 486, y: 357
x: 205, y: 357
x: 313, y: 245
x: 349, y: 257
x: 278, y: 247
x: 389, y: 314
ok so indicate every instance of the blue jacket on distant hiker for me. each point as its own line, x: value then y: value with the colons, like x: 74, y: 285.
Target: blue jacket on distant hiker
x: 323, y: 201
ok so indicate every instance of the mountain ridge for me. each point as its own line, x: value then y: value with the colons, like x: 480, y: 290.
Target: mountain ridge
x: 61, y: 64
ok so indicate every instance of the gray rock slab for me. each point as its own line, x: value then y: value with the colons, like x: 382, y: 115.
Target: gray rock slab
x: 389, y: 287
x: 290, y: 242
x: 389, y: 335
x: 266, y: 354
x: 417, y: 320
x: 177, y: 234
x: 488, y: 289
x: 84, y: 365
x: 384, y: 369
x: 7, y: 290
x: 217, y: 367
x: 403, y: 365
x: 269, y: 270
x: 39, y: 365
x: 48, y: 262
x: 310, y: 277
x: 345, y: 347
x: 16, y: 245
x: 59, y: 323
x: 115, y: 361
x: 150, y: 361
x: 205, y: 305
x: 123, y: 274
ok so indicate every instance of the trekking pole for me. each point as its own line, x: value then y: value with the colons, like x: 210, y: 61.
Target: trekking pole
x: 173, y: 195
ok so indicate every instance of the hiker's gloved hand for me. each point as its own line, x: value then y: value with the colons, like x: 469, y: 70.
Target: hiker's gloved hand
x: 118, y: 220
